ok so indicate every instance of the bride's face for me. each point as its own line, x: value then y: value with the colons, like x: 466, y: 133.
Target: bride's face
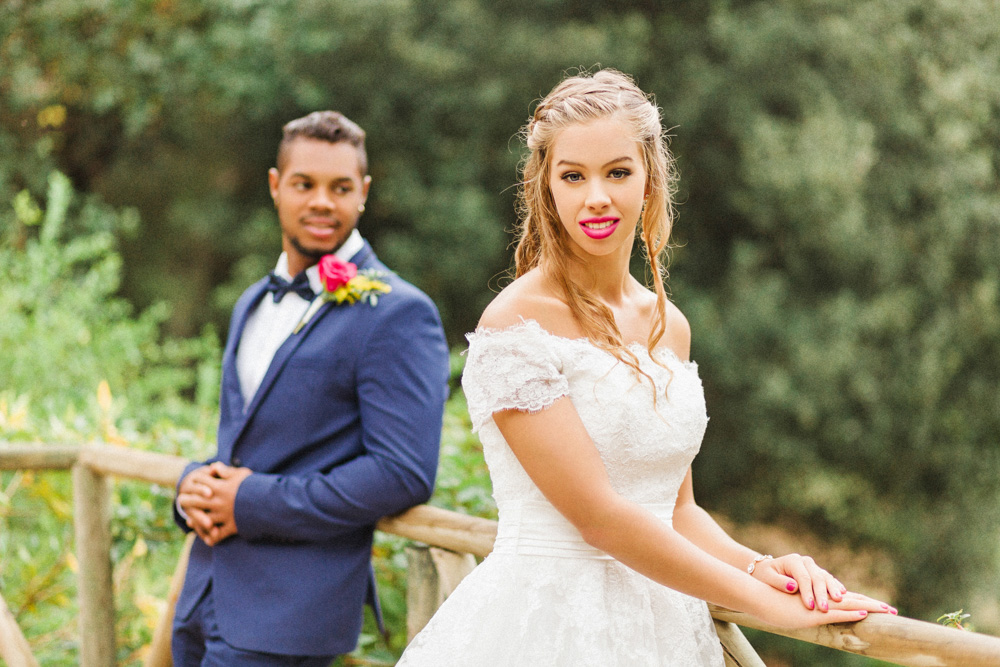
x: 598, y: 182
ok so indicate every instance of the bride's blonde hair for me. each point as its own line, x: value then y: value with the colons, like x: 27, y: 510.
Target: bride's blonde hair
x: 542, y: 239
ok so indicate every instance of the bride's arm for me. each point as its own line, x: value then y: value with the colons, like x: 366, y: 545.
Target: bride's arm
x: 792, y: 573
x: 557, y: 453
x: 697, y: 525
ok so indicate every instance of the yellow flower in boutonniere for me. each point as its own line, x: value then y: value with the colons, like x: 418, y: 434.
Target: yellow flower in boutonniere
x: 343, y: 283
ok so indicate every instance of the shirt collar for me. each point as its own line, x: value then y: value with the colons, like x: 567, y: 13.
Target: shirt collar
x: 350, y: 248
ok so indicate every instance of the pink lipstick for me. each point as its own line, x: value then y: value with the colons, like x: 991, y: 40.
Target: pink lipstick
x: 599, y: 228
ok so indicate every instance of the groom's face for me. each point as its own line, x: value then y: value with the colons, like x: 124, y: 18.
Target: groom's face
x: 318, y: 193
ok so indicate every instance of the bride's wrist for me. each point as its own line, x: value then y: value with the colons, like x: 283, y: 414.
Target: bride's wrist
x: 768, y: 604
x: 752, y: 566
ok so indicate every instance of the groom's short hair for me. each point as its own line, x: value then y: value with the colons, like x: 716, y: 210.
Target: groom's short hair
x: 331, y: 126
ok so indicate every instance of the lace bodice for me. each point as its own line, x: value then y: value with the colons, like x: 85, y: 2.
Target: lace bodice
x: 544, y: 596
x: 646, y: 453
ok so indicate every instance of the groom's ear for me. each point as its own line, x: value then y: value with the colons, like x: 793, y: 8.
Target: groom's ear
x: 273, y: 178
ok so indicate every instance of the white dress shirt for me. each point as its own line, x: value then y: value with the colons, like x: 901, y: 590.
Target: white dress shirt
x: 271, y: 323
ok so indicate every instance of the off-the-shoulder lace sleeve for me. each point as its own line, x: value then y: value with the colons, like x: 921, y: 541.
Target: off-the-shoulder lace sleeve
x: 513, y: 368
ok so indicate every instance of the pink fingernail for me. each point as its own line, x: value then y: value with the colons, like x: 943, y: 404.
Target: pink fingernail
x: 812, y: 604
x: 862, y: 614
x: 885, y: 606
x: 893, y: 611
x: 790, y: 586
x: 826, y: 607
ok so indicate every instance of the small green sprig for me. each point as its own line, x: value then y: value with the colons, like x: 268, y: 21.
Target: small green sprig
x: 955, y: 620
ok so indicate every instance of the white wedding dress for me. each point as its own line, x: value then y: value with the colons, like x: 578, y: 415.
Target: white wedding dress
x: 543, y: 597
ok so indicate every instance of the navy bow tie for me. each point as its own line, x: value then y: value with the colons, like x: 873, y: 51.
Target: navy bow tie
x: 281, y: 287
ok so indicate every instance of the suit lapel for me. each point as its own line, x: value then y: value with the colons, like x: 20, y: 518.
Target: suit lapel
x: 281, y: 357
x: 364, y: 258
x: 230, y: 373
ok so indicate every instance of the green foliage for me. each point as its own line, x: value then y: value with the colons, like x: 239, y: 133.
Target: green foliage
x: 175, y: 108
x: 463, y: 481
x: 36, y: 539
x: 85, y: 367
x: 70, y: 332
x: 956, y: 619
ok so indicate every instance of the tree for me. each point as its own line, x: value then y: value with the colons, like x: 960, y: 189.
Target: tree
x: 841, y: 277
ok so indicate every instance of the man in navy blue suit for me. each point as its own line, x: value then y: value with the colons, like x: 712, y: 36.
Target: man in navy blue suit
x: 330, y: 419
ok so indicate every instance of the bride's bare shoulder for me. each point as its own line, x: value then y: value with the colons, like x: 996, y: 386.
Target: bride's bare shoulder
x: 530, y: 297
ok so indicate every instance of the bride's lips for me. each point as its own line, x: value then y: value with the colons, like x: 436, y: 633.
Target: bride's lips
x: 599, y: 228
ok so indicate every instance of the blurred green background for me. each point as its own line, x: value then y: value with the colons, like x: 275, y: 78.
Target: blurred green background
x: 838, y: 252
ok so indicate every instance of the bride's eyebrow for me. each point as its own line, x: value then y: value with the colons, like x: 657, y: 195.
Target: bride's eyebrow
x: 571, y: 163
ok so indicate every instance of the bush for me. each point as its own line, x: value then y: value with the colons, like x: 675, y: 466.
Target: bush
x: 85, y: 368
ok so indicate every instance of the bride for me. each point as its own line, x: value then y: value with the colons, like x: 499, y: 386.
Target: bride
x: 590, y: 413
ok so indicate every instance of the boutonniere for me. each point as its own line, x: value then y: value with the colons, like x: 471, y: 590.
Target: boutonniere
x: 343, y: 283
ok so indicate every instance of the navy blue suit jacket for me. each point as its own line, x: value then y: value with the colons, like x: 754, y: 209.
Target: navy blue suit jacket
x: 344, y: 429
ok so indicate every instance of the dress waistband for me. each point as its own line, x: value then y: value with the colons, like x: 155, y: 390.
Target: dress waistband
x: 538, y: 529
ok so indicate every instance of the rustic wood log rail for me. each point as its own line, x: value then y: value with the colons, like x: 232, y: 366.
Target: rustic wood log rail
x: 899, y: 640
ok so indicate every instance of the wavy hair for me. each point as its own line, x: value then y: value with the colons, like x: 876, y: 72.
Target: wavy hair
x: 543, y: 241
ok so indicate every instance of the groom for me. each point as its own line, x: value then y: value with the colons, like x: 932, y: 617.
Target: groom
x: 330, y: 419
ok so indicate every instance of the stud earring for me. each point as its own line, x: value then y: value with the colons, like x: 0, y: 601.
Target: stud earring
x: 361, y: 208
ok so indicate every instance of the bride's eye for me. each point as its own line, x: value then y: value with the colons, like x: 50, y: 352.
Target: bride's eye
x: 572, y: 177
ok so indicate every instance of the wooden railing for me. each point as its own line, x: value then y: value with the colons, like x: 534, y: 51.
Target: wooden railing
x: 894, y: 639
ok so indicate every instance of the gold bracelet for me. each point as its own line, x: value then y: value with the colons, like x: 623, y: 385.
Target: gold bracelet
x: 753, y: 564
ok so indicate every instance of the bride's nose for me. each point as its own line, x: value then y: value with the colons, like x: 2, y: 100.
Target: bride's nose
x: 597, y: 196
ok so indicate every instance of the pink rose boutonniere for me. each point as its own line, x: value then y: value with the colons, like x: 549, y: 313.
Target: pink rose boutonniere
x: 343, y: 283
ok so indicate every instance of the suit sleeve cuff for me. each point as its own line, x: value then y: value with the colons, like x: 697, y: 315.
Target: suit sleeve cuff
x: 251, y: 508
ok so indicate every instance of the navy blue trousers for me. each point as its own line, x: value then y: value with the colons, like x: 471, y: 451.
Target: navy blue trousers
x: 196, y: 643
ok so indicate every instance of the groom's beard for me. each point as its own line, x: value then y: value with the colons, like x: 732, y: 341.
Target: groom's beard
x: 314, y: 253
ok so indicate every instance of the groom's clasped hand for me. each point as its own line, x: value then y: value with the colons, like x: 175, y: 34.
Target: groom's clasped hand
x: 208, y: 496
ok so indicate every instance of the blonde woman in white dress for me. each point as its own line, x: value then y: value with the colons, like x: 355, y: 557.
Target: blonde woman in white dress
x: 579, y: 384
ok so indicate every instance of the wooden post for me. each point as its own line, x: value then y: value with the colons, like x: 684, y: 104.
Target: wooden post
x: 432, y: 574
x: 92, y: 519
x: 159, y: 651
x: 736, y: 650
x: 14, y: 647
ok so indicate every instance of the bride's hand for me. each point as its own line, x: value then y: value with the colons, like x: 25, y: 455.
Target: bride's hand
x: 817, y: 588
x: 788, y: 613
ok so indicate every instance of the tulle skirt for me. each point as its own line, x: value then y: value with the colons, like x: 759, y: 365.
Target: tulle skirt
x: 523, y: 610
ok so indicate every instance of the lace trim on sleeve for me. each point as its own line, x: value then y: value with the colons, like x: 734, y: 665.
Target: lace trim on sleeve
x: 511, y: 369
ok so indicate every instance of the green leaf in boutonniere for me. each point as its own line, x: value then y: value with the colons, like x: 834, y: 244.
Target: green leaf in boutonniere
x: 343, y: 283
